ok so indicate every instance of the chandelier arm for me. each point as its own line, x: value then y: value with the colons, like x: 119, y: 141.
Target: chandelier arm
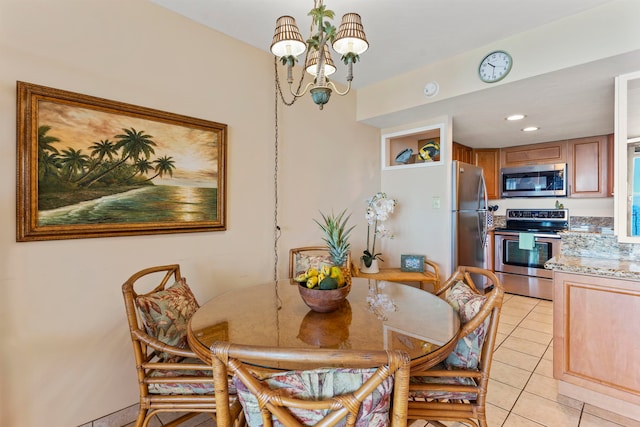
x: 279, y: 88
x: 298, y: 95
x: 336, y: 89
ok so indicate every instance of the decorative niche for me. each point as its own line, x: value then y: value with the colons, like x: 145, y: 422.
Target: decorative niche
x: 420, y: 147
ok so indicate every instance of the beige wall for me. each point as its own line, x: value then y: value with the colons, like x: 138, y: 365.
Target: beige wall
x: 597, y: 33
x: 65, y: 353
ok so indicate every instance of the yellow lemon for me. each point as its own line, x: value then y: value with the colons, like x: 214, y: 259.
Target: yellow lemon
x: 326, y: 270
x: 312, y: 282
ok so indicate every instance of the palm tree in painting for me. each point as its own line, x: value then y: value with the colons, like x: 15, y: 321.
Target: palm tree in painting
x: 48, y: 165
x: 134, y: 144
x: 99, y: 150
x: 73, y: 161
x: 45, y: 141
x: 47, y: 153
x: 164, y: 165
x: 141, y: 167
x: 103, y: 148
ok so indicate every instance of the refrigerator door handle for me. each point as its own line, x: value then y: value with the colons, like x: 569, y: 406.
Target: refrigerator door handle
x: 482, y: 227
x: 483, y: 223
x: 482, y: 193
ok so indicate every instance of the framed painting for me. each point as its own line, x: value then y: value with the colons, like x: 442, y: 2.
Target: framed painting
x: 90, y: 167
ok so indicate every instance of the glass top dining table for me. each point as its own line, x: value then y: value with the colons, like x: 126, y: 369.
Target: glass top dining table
x: 377, y: 315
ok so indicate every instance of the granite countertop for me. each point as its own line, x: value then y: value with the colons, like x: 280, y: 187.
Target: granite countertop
x: 621, y: 269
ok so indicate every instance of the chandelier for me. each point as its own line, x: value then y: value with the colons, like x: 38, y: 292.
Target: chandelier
x: 349, y: 41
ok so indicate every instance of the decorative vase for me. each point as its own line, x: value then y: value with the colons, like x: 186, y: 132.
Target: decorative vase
x: 373, y: 268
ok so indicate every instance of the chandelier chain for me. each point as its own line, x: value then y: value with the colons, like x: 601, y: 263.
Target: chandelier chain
x: 276, y: 226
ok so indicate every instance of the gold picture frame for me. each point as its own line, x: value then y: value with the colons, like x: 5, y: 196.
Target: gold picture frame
x: 91, y: 167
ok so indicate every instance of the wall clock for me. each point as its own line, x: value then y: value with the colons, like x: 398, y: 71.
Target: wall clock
x: 495, y: 66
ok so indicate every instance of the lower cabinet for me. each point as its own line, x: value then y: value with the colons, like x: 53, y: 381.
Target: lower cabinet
x: 595, y: 340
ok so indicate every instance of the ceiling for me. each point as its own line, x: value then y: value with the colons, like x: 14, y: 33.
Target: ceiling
x: 565, y: 104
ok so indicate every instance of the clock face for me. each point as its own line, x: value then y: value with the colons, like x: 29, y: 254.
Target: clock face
x: 495, y: 66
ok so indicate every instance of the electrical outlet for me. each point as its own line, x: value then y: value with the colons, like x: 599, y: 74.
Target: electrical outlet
x: 435, y: 202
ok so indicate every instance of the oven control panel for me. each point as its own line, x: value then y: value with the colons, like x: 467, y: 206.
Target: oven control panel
x: 537, y: 214
x: 549, y: 221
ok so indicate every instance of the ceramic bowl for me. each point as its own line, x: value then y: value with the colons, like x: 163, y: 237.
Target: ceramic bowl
x: 323, y: 301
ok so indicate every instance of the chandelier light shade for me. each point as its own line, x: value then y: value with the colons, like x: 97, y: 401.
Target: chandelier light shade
x: 351, y: 37
x: 312, y: 62
x: 349, y: 41
x: 287, y: 40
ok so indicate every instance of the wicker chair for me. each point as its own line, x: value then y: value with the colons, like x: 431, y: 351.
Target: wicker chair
x: 313, y: 396
x: 456, y: 389
x: 170, y: 377
x: 311, y: 256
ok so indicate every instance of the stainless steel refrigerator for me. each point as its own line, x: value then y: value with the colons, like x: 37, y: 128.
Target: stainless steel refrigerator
x: 469, y: 216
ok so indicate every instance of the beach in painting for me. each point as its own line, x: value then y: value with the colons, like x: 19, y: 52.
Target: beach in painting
x: 154, y: 203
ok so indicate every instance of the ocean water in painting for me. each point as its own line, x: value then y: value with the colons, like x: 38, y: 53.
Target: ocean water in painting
x: 157, y: 203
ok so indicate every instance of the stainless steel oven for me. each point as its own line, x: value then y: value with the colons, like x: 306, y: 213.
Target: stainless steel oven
x: 530, y: 239
x: 522, y: 271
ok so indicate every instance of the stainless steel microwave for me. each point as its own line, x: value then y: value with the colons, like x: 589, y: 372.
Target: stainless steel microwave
x: 549, y: 180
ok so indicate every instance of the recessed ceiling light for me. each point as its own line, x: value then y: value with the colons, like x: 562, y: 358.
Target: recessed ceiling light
x: 515, y: 117
x: 530, y: 129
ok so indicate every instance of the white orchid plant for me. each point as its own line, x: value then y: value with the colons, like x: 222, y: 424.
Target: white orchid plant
x: 379, y: 207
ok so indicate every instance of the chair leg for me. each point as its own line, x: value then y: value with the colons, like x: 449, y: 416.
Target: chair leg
x: 142, y: 414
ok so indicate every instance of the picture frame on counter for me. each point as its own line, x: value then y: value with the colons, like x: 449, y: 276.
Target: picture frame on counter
x: 412, y: 263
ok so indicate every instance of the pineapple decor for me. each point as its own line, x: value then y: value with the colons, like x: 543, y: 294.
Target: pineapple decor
x: 336, y: 235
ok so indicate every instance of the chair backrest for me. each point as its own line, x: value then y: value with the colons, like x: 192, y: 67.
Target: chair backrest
x: 164, y: 356
x: 321, y: 395
x: 494, y: 296
x: 457, y: 391
x: 300, y: 259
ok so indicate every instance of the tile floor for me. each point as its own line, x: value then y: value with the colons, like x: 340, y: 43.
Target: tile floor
x: 522, y: 391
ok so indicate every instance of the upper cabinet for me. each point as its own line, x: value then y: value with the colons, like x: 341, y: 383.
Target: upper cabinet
x: 627, y: 154
x: 534, y: 154
x: 587, y: 161
x: 462, y: 153
x: 489, y: 160
x: 413, y: 148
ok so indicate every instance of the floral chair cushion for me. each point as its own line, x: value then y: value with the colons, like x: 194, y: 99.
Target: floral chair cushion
x: 165, y: 315
x: 467, y: 303
x: 320, y: 384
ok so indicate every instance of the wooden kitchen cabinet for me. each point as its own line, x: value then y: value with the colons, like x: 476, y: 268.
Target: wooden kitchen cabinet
x: 462, y: 153
x: 534, y: 154
x: 595, y: 350
x: 587, y: 167
x: 489, y: 160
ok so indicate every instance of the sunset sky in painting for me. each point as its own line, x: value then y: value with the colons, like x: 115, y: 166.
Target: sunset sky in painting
x: 194, y: 151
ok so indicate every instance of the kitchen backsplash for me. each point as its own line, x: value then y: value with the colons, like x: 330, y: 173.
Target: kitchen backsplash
x: 597, y: 245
